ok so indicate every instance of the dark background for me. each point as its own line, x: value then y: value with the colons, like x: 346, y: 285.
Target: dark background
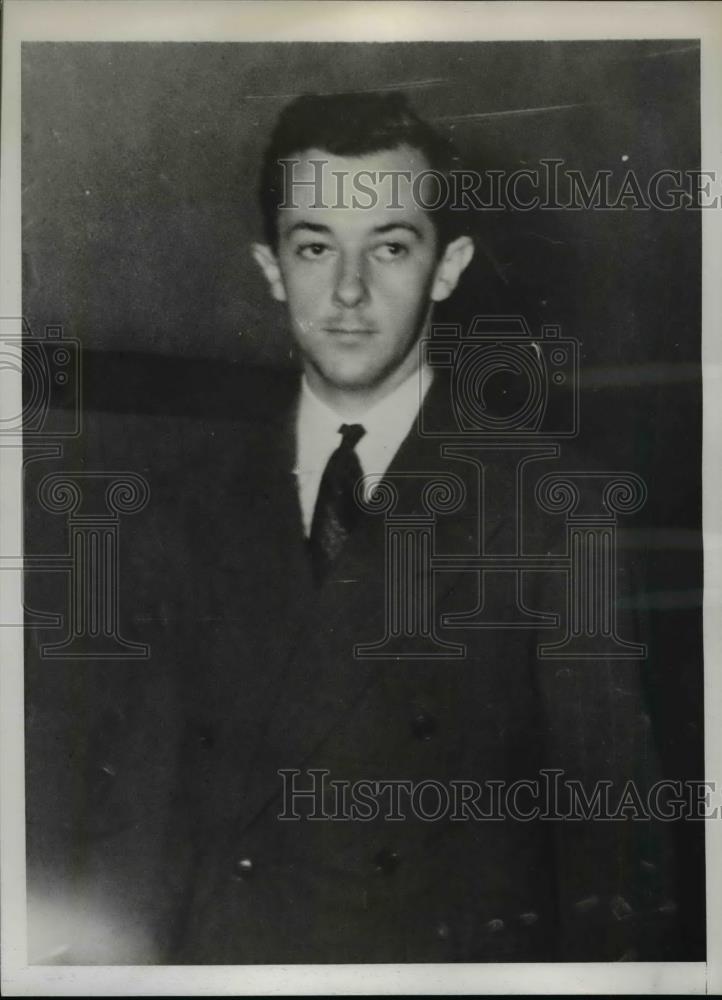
x: 140, y: 166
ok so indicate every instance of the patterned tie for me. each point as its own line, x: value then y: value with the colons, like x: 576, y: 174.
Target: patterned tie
x: 336, y: 510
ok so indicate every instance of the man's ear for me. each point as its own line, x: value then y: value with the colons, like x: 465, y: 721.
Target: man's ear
x: 266, y: 260
x: 455, y: 260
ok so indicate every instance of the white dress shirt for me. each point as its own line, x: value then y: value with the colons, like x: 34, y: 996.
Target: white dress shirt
x: 387, y: 423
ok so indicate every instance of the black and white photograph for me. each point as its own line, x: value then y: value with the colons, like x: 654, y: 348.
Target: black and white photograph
x: 357, y: 613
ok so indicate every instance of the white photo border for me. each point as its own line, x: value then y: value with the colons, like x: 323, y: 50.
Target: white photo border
x: 234, y: 20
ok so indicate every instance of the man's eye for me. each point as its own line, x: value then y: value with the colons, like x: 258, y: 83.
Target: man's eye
x: 390, y: 251
x: 312, y: 251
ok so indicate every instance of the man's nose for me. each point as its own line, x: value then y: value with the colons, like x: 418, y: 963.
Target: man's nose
x: 350, y: 288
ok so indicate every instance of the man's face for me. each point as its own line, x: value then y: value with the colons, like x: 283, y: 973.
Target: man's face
x: 358, y: 281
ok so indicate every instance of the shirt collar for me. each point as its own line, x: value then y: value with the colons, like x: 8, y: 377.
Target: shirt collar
x: 386, y: 423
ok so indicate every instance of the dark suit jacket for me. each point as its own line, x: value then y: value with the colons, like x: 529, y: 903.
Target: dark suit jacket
x: 271, y: 682
x: 254, y: 672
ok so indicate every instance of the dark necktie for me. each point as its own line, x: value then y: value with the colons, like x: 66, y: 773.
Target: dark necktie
x: 336, y: 511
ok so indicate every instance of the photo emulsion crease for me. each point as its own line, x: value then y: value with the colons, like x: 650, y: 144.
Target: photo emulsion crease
x: 362, y: 502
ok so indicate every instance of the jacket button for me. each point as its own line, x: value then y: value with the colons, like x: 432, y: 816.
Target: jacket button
x: 527, y: 919
x: 243, y: 868
x: 205, y: 739
x: 423, y: 726
x: 495, y: 925
x: 103, y: 778
x: 443, y: 931
x: 620, y: 908
x: 387, y: 861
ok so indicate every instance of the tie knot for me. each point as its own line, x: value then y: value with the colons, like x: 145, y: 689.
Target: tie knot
x: 351, y: 434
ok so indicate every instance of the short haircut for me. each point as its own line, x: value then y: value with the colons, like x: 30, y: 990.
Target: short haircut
x: 354, y: 125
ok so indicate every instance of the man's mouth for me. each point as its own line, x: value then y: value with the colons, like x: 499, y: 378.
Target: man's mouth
x: 349, y: 331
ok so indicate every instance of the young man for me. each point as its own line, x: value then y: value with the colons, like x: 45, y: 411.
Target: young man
x: 307, y: 826
x: 359, y: 263
x: 315, y: 766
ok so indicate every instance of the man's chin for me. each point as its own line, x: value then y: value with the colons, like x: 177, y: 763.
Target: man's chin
x: 354, y: 387
x: 356, y: 375
x: 349, y: 379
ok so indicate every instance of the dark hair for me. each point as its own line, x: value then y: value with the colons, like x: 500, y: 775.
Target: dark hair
x: 353, y: 125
